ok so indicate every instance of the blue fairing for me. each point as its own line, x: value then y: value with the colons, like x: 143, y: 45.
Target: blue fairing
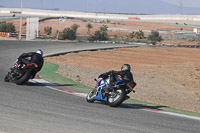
x: 101, y: 83
x: 119, y: 81
x: 99, y: 96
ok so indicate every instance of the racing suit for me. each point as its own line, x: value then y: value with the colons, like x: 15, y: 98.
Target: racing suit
x: 126, y: 76
x: 32, y: 57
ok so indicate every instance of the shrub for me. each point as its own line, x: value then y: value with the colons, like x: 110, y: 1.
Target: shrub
x: 132, y: 35
x: 154, y: 37
x: 48, y: 30
x: 7, y: 27
x: 70, y: 33
x: 139, y: 34
x: 74, y: 27
x: 100, y: 35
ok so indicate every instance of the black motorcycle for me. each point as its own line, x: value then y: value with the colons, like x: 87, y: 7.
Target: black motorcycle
x: 21, y: 73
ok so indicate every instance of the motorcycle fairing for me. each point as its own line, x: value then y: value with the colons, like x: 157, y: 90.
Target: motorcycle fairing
x: 99, y: 96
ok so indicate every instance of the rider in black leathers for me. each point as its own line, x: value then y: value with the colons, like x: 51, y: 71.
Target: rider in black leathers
x: 32, y: 57
x: 124, y: 74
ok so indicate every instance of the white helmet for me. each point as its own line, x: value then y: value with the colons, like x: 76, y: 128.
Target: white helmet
x: 39, y: 51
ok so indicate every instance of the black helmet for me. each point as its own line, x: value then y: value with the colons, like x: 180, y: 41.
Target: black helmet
x: 126, y: 67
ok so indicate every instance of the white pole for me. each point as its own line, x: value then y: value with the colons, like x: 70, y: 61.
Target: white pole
x: 20, y: 32
x: 61, y: 20
x: 58, y: 31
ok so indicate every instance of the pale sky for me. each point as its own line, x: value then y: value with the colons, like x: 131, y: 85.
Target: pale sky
x: 114, y: 6
x: 187, y: 3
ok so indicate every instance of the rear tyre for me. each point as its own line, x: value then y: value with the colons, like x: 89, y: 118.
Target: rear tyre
x: 23, y: 78
x: 117, y: 97
x: 91, y: 96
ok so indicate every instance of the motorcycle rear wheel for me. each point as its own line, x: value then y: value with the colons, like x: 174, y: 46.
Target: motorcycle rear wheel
x: 117, y: 98
x: 91, y: 96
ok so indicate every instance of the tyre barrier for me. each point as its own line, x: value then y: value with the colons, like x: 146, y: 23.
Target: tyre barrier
x: 192, y: 46
x: 188, y: 46
x: 5, y: 34
x: 183, y: 46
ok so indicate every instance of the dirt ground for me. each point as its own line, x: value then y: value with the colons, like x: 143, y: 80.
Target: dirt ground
x: 164, y: 75
x: 167, y: 27
x: 114, y: 24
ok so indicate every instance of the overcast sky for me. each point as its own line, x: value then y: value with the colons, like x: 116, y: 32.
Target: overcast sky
x: 116, y: 6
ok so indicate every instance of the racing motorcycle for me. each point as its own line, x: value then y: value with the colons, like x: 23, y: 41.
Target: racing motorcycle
x: 114, y: 95
x: 21, y: 73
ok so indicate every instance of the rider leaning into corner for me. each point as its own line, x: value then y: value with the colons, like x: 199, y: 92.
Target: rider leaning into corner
x: 124, y: 74
x: 32, y: 57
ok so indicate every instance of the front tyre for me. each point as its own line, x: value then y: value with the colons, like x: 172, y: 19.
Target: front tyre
x: 6, y: 79
x: 24, y: 78
x: 91, y: 96
x: 117, y: 97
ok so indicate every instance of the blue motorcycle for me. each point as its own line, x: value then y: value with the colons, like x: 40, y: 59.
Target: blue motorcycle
x: 114, y: 95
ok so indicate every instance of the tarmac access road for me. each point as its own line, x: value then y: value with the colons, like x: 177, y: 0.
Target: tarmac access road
x: 33, y: 108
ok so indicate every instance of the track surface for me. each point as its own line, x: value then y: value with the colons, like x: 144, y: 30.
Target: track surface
x: 33, y: 108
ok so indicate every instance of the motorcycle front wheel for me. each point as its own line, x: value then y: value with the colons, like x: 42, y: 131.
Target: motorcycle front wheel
x: 24, y: 78
x: 116, y: 97
x: 6, y: 79
x: 91, y: 96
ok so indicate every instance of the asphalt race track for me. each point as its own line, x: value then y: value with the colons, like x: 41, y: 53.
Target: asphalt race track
x: 33, y: 108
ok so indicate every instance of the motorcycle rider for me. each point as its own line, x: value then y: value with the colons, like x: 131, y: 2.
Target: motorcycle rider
x: 32, y: 57
x: 124, y: 74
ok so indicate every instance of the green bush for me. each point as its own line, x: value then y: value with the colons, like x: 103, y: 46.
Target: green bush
x: 74, y: 27
x: 7, y: 27
x: 154, y: 37
x: 139, y: 34
x: 48, y: 30
x: 70, y: 33
x: 100, y: 35
x: 131, y: 35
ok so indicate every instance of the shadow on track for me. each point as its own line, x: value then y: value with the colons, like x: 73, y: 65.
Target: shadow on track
x: 133, y: 106
x: 46, y: 84
x: 123, y: 105
x: 141, y: 106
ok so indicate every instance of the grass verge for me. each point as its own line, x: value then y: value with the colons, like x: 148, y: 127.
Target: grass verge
x: 48, y: 73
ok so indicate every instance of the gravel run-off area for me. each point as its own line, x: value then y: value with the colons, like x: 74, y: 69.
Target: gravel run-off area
x: 167, y: 76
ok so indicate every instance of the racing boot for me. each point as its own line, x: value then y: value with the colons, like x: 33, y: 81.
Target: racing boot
x: 127, y: 97
x: 6, y: 79
x: 105, y: 92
